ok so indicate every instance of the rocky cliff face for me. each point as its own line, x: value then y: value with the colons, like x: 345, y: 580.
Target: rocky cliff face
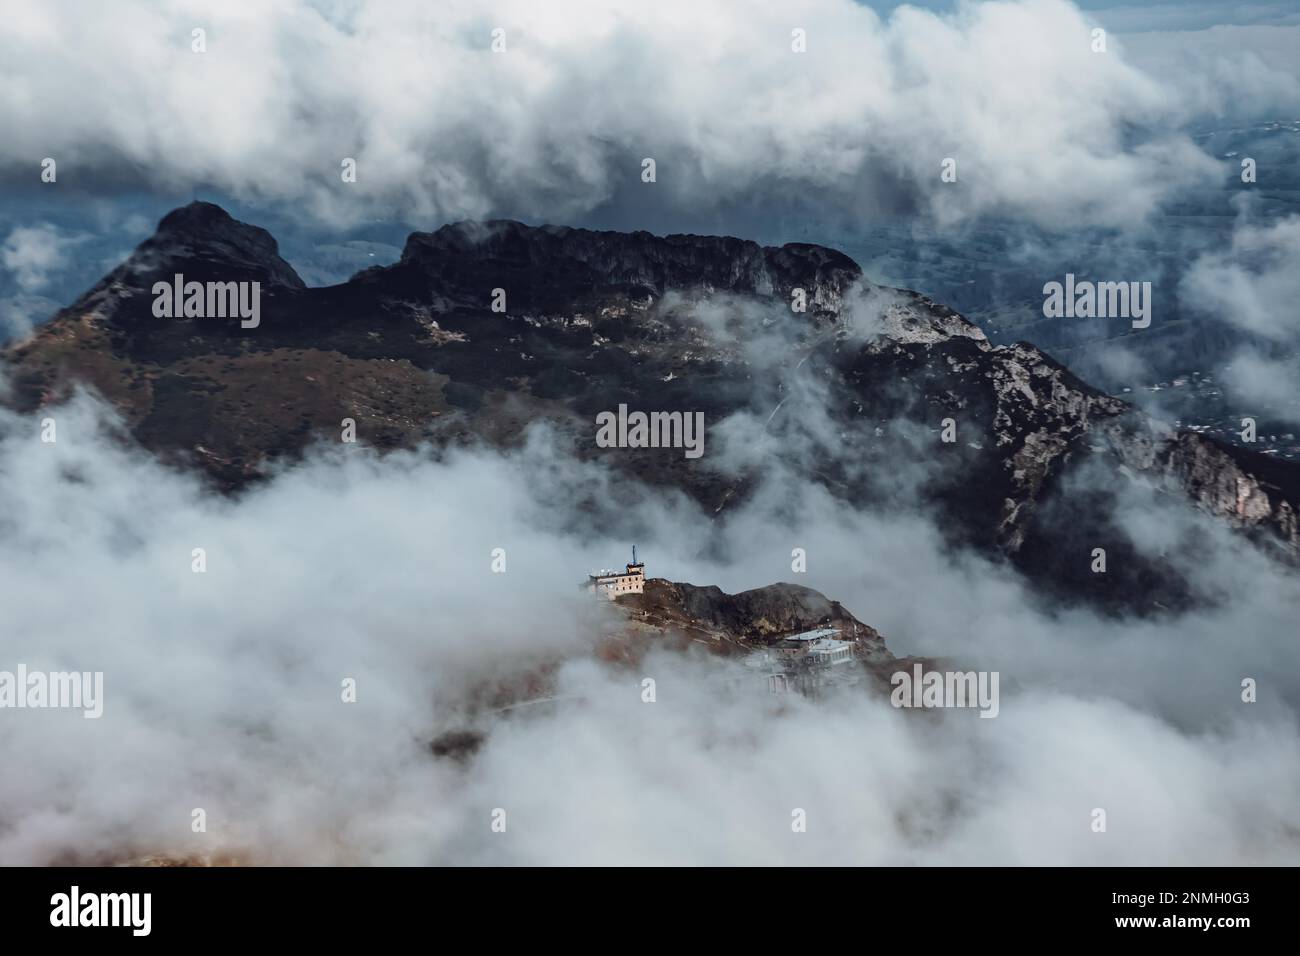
x: 857, y: 391
x: 1249, y: 490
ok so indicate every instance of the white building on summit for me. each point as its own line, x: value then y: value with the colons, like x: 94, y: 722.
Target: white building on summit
x: 613, y: 583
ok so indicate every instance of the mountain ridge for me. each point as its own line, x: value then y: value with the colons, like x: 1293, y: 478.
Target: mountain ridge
x: 413, y: 352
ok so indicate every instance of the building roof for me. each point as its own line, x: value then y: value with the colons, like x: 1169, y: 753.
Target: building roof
x: 615, y: 574
x: 814, y: 635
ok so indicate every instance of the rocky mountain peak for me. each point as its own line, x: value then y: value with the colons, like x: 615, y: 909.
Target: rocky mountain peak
x: 198, y: 217
x: 204, y: 242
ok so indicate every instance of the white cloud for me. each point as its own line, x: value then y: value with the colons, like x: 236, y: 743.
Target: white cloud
x: 1233, y: 71
x: 33, y: 253
x: 441, y: 127
x: 1269, y: 382
x: 222, y: 689
x: 20, y: 313
x: 1253, y: 286
x: 1255, y: 283
x: 33, y: 256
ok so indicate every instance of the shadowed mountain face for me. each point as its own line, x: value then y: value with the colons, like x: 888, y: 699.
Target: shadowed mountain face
x: 855, y: 392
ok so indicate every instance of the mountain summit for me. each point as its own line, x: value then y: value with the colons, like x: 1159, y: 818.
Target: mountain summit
x: 203, y: 241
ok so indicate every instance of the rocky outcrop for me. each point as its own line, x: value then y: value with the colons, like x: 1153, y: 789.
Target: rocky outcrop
x: 1248, y: 490
x: 758, y: 615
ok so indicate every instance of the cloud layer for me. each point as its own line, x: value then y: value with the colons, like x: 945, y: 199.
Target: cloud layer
x: 222, y: 689
x: 441, y: 127
x: 1253, y: 286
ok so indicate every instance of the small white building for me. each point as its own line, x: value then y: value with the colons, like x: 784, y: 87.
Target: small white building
x: 613, y: 583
